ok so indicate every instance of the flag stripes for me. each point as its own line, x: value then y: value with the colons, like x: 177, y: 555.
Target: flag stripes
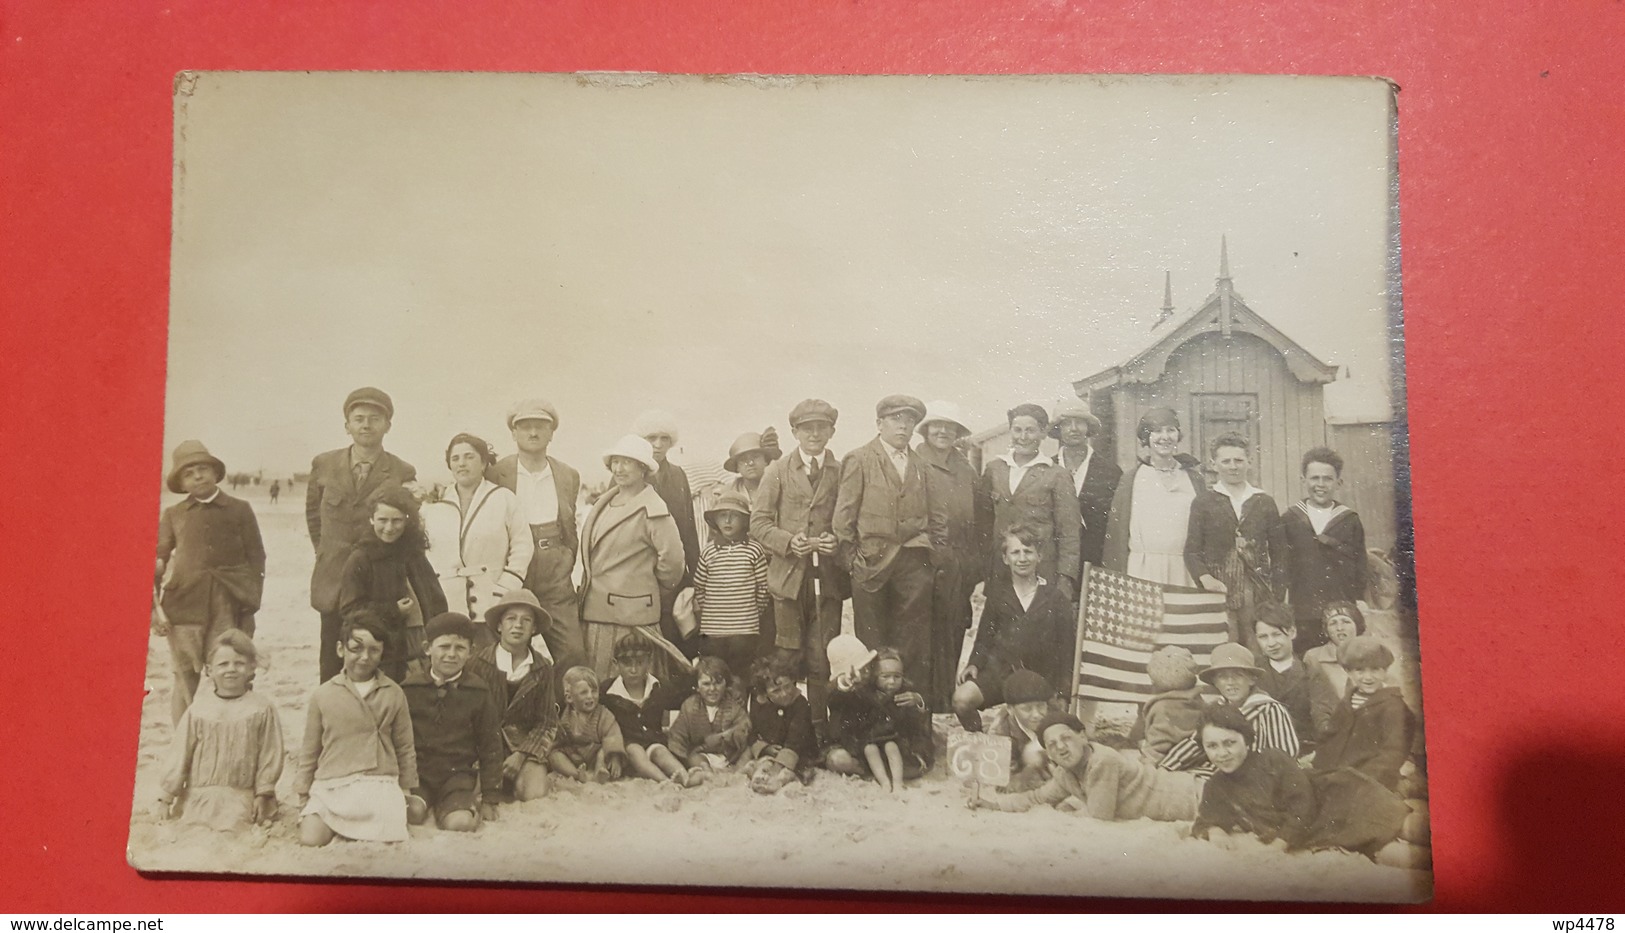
x: 1122, y: 620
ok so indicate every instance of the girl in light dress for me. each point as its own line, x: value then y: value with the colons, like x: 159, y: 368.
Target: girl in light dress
x: 227, y: 752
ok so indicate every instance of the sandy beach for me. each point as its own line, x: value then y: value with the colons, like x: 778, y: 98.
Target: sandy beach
x: 835, y: 833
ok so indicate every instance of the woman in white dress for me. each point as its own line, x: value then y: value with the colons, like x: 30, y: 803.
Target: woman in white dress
x: 1145, y: 535
x: 479, y: 542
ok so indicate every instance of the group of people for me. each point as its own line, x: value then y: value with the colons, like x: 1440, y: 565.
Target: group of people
x: 707, y: 639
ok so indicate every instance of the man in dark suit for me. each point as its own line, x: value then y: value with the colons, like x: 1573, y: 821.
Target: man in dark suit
x: 548, y: 491
x: 338, y: 505
x: 886, y: 528
x: 1094, y: 478
x: 791, y: 516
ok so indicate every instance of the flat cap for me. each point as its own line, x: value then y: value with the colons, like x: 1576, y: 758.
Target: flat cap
x: 527, y: 409
x: 812, y: 409
x: 367, y: 395
x: 892, y: 404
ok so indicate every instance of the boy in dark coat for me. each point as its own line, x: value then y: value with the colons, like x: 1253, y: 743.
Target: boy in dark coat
x: 1026, y: 624
x: 1283, y: 675
x: 1372, y: 730
x: 642, y: 704
x: 783, y: 745
x: 522, y: 681
x: 210, y: 546
x: 456, y: 728
x: 1323, y: 546
x: 1232, y: 545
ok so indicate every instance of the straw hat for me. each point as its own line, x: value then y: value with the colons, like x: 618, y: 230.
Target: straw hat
x: 1230, y: 657
x: 518, y: 597
x: 748, y: 443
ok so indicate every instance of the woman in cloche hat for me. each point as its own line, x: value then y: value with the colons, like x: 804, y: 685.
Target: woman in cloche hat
x: 631, y: 554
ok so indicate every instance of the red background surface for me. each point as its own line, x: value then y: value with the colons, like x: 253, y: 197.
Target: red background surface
x: 1512, y: 123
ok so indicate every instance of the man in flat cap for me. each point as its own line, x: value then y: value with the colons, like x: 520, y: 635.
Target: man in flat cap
x: 548, y: 491
x: 792, y: 515
x: 338, y: 505
x: 886, y: 528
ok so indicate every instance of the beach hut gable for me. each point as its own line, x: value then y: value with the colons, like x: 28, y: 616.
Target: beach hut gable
x: 1224, y: 313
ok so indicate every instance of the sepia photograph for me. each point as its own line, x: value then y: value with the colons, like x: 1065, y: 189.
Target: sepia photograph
x: 960, y: 484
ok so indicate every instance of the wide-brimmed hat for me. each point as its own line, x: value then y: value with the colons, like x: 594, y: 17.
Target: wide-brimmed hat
x: 748, y: 443
x: 532, y: 408
x: 633, y: 447
x: 518, y: 597
x: 847, y: 654
x: 946, y: 412
x: 731, y: 500
x: 892, y: 404
x: 367, y: 395
x: 1230, y: 657
x: 813, y: 409
x: 1073, y: 408
x: 188, y: 454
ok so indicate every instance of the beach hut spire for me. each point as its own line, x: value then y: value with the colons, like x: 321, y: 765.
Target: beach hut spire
x: 1226, y: 288
x: 1167, y: 299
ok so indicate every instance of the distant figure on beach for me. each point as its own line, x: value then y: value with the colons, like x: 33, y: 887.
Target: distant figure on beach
x: 276, y: 488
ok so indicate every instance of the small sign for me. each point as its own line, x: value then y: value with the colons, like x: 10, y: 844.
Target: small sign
x: 979, y: 758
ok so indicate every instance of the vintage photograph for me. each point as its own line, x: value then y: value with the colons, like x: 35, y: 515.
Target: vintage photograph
x: 963, y: 484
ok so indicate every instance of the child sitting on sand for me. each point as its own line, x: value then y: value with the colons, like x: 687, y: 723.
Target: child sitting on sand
x: 226, y: 755
x: 456, y: 728
x: 1282, y: 675
x: 358, y: 758
x: 641, y: 703
x: 589, y: 746
x: 713, y: 726
x: 871, y: 730
x: 1172, y: 711
x: 1372, y: 730
x: 782, y: 741
x: 1028, y: 698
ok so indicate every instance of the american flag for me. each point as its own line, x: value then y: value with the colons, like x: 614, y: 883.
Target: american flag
x: 1122, y: 619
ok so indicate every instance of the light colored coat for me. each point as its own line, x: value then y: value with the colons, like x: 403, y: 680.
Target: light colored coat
x: 629, y: 555
x: 481, y: 553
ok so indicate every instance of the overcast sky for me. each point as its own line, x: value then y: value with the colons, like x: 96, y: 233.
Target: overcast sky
x: 723, y: 249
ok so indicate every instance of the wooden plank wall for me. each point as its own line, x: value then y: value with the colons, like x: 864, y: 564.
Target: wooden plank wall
x: 1291, y: 416
x: 1368, y: 477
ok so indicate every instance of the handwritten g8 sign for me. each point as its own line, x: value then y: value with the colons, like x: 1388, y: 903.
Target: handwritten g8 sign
x: 979, y: 757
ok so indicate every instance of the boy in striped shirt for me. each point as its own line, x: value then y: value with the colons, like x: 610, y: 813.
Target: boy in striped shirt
x: 730, y: 585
